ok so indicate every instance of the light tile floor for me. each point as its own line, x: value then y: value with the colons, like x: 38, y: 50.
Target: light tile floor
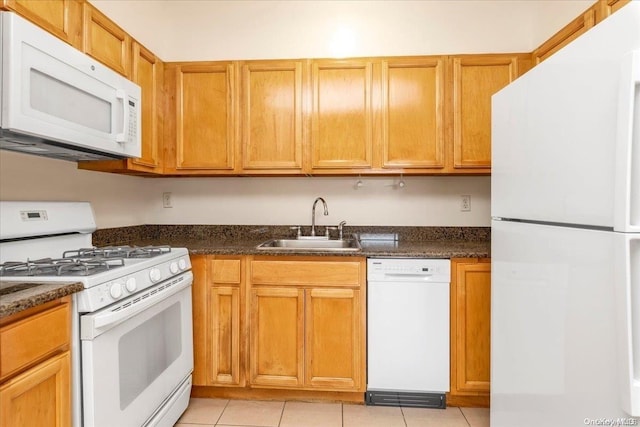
x: 250, y: 413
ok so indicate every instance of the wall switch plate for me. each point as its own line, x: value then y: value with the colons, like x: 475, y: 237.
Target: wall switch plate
x: 167, y: 202
x: 465, y: 203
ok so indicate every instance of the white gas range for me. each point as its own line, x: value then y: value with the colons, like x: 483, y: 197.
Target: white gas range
x: 132, y: 347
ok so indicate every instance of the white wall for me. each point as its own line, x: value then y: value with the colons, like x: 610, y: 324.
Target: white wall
x: 423, y: 201
x: 188, y: 30
x: 227, y: 29
x: 116, y: 200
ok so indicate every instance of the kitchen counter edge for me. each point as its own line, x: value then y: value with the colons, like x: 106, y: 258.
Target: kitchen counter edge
x: 29, y: 295
x: 408, y: 249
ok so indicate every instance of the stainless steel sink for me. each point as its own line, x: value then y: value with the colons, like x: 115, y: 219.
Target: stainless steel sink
x: 342, y: 245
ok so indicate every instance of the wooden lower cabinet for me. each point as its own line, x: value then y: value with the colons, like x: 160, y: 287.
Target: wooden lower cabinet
x: 277, y: 337
x: 307, y: 322
x: 218, y: 324
x: 35, y: 366
x: 40, y: 396
x: 272, y: 324
x: 333, y: 334
x: 470, y: 332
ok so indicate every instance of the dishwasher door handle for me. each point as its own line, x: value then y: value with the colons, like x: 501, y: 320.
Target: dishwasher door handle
x: 423, y: 276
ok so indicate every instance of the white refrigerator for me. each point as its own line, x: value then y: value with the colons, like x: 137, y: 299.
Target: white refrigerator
x: 565, y: 205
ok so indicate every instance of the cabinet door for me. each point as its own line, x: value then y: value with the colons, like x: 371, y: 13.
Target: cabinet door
x: 106, y: 42
x: 40, y: 396
x: 342, y: 115
x: 332, y: 348
x: 475, y: 80
x: 224, y: 303
x: 413, y: 113
x: 148, y: 72
x: 225, y: 321
x: 204, y: 119
x: 471, y: 327
x: 62, y: 18
x: 272, y: 116
x: 277, y: 337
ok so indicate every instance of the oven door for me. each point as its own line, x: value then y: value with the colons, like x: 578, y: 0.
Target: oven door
x: 136, y: 354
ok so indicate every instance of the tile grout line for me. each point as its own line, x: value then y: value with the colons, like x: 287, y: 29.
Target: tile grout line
x: 464, y: 416
x: 222, y: 412
x: 404, y: 420
x: 284, y: 404
x: 342, y: 414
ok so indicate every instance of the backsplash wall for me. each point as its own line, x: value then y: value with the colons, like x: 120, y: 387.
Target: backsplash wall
x: 125, y: 200
x: 423, y: 201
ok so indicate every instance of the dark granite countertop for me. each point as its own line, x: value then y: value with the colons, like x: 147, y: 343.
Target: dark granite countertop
x: 414, y: 242
x: 18, y: 296
x: 409, y: 249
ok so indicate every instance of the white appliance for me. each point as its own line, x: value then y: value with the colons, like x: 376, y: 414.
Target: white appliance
x: 57, y: 102
x: 132, y: 341
x: 408, y: 332
x: 565, y: 303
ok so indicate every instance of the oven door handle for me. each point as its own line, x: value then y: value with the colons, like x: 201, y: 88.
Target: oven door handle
x: 94, y: 324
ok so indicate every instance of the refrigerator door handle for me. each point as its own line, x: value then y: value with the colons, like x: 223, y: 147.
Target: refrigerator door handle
x: 627, y: 276
x: 627, y: 195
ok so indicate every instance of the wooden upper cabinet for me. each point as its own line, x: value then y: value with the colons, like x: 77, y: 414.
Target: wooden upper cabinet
x: 475, y: 79
x: 341, y: 115
x: 614, y: 5
x: 567, y: 34
x: 62, y: 18
x: 148, y: 73
x: 413, y: 113
x: 106, y: 42
x: 271, y: 116
x: 202, y: 116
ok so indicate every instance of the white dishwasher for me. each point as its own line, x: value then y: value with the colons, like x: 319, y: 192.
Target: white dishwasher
x: 408, y: 332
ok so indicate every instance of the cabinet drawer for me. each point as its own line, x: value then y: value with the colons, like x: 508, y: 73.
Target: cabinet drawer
x: 28, y: 340
x: 306, y: 272
x: 225, y: 271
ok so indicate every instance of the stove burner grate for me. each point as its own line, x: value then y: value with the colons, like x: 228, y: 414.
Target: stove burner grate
x: 60, y: 266
x: 119, y: 252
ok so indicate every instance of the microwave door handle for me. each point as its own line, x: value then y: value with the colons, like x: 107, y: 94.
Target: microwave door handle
x: 122, y: 137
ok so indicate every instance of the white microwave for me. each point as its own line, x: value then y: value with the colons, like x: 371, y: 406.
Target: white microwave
x: 58, y: 102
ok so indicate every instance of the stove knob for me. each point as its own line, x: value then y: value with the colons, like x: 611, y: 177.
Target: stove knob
x: 155, y: 275
x: 116, y: 290
x: 182, y: 263
x: 131, y: 284
x: 173, y: 267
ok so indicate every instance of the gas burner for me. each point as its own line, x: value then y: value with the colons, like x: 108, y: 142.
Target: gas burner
x: 119, y: 252
x: 77, y: 266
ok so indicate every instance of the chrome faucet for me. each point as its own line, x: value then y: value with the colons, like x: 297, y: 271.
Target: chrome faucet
x: 313, y: 214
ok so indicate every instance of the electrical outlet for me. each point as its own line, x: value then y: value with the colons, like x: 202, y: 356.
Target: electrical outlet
x: 167, y: 202
x: 465, y: 203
